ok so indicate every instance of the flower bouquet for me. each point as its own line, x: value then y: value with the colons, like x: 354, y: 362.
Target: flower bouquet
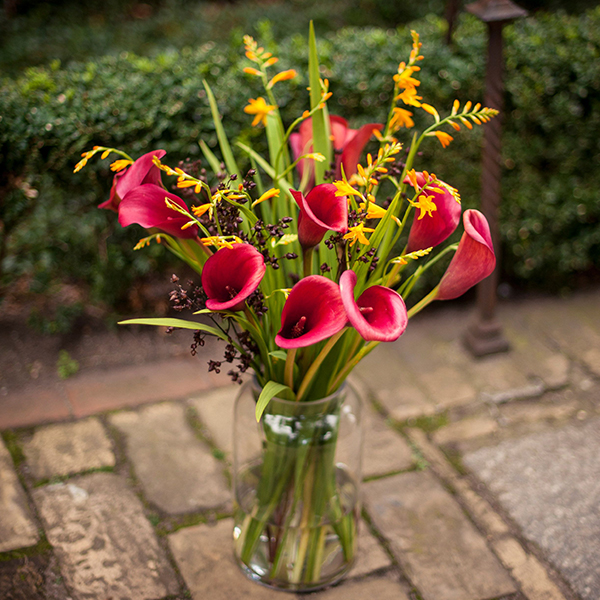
x: 304, y: 269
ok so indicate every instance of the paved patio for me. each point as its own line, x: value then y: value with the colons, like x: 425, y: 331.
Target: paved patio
x: 482, y: 476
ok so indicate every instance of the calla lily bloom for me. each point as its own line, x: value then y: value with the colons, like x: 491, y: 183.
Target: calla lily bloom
x: 433, y: 228
x: 379, y: 314
x: 473, y: 261
x: 348, y: 144
x: 142, y: 171
x: 320, y: 211
x: 146, y: 206
x: 230, y: 275
x: 312, y: 313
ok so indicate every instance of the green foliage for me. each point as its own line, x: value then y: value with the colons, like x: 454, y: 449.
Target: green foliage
x: 65, y: 365
x: 551, y: 141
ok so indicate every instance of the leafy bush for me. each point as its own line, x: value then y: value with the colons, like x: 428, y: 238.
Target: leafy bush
x: 550, y: 209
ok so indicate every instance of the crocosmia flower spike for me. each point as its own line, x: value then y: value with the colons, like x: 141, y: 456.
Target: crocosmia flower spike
x: 146, y: 205
x: 320, y: 211
x: 312, y: 313
x: 230, y: 275
x: 437, y: 225
x: 379, y: 314
x: 473, y: 261
x: 142, y: 171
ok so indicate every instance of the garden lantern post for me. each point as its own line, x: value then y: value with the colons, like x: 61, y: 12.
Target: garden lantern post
x: 485, y: 336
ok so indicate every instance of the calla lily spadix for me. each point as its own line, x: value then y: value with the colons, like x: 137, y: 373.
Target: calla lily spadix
x: 142, y: 171
x: 313, y: 312
x: 348, y: 144
x: 320, y: 211
x: 146, y: 206
x: 473, y: 261
x: 230, y: 275
x: 379, y: 314
x: 432, y: 229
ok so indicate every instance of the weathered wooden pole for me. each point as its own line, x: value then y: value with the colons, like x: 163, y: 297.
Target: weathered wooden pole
x: 485, y: 336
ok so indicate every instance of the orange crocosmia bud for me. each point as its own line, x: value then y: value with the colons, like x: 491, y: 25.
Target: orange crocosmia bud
x: 271, y: 61
x: 455, y: 126
x: 251, y: 71
x: 283, y: 76
x: 444, y: 138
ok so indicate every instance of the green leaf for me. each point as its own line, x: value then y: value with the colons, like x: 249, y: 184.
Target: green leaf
x: 213, y: 161
x: 181, y: 323
x: 280, y: 354
x: 270, y: 390
x: 221, y: 135
x: 320, y: 139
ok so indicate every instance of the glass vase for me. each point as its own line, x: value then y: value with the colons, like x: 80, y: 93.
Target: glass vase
x: 296, y: 484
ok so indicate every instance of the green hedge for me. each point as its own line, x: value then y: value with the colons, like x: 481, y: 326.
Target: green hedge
x: 550, y: 208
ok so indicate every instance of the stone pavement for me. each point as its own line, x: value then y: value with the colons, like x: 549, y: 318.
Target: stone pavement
x: 482, y: 476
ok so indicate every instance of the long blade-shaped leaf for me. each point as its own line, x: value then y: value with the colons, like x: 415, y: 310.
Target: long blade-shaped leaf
x: 181, y: 323
x: 270, y: 390
x: 320, y: 140
x: 213, y: 161
x: 222, y: 137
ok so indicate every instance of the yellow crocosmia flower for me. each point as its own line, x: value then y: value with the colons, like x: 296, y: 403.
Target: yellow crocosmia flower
x: 357, y: 233
x: 185, y: 183
x: 252, y: 71
x: 412, y: 177
x: 401, y: 118
x: 345, y: 189
x: 283, y: 76
x: 431, y: 110
x: 272, y: 193
x: 409, y: 96
x: 260, y: 109
x: 373, y: 211
x: 444, y: 138
x: 426, y: 204
x: 404, y: 78
x: 120, y: 164
x: 198, y: 211
x: 221, y: 241
x: 105, y: 154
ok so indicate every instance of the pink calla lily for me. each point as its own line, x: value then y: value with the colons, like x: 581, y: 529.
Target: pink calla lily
x: 146, y: 206
x: 473, y: 261
x: 379, y: 314
x: 312, y: 313
x: 348, y: 144
x: 140, y: 172
x: 431, y: 230
x: 320, y: 211
x: 230, y: 275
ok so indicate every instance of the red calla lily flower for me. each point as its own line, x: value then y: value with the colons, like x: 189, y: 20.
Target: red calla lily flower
x: 312, y: 313
x: 432, y: 230
x: 320, y: 211
x: 473, y: 261
x: 145, y: 205
x: 348, y: 143
x: 379, y: 314
x: 141, y: 171
x: 230, y: 275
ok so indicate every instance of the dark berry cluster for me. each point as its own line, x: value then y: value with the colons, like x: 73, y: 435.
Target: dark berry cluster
x: 192, y: 299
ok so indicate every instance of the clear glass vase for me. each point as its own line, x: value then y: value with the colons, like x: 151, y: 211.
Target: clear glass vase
x: 296, y: 484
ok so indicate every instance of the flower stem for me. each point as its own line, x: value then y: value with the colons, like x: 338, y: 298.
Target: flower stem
x: 307, y: 254
x: 423, y: 302
x: 310, y: 374
x: 289, y: 368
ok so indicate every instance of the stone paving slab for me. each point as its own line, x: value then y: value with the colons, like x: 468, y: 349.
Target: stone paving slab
x: 67, y: 449
x: 550, y: 484
x: 381, y: 588
x: 176, y: 470
x: 17, y: 527
x: 174, y: 379
x: 204, y: 556
x: 441, y: 551
x: 33, y: 405
x: 105, y: 545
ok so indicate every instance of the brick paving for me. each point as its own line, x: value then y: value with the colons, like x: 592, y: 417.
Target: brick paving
x: 113, y: 483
